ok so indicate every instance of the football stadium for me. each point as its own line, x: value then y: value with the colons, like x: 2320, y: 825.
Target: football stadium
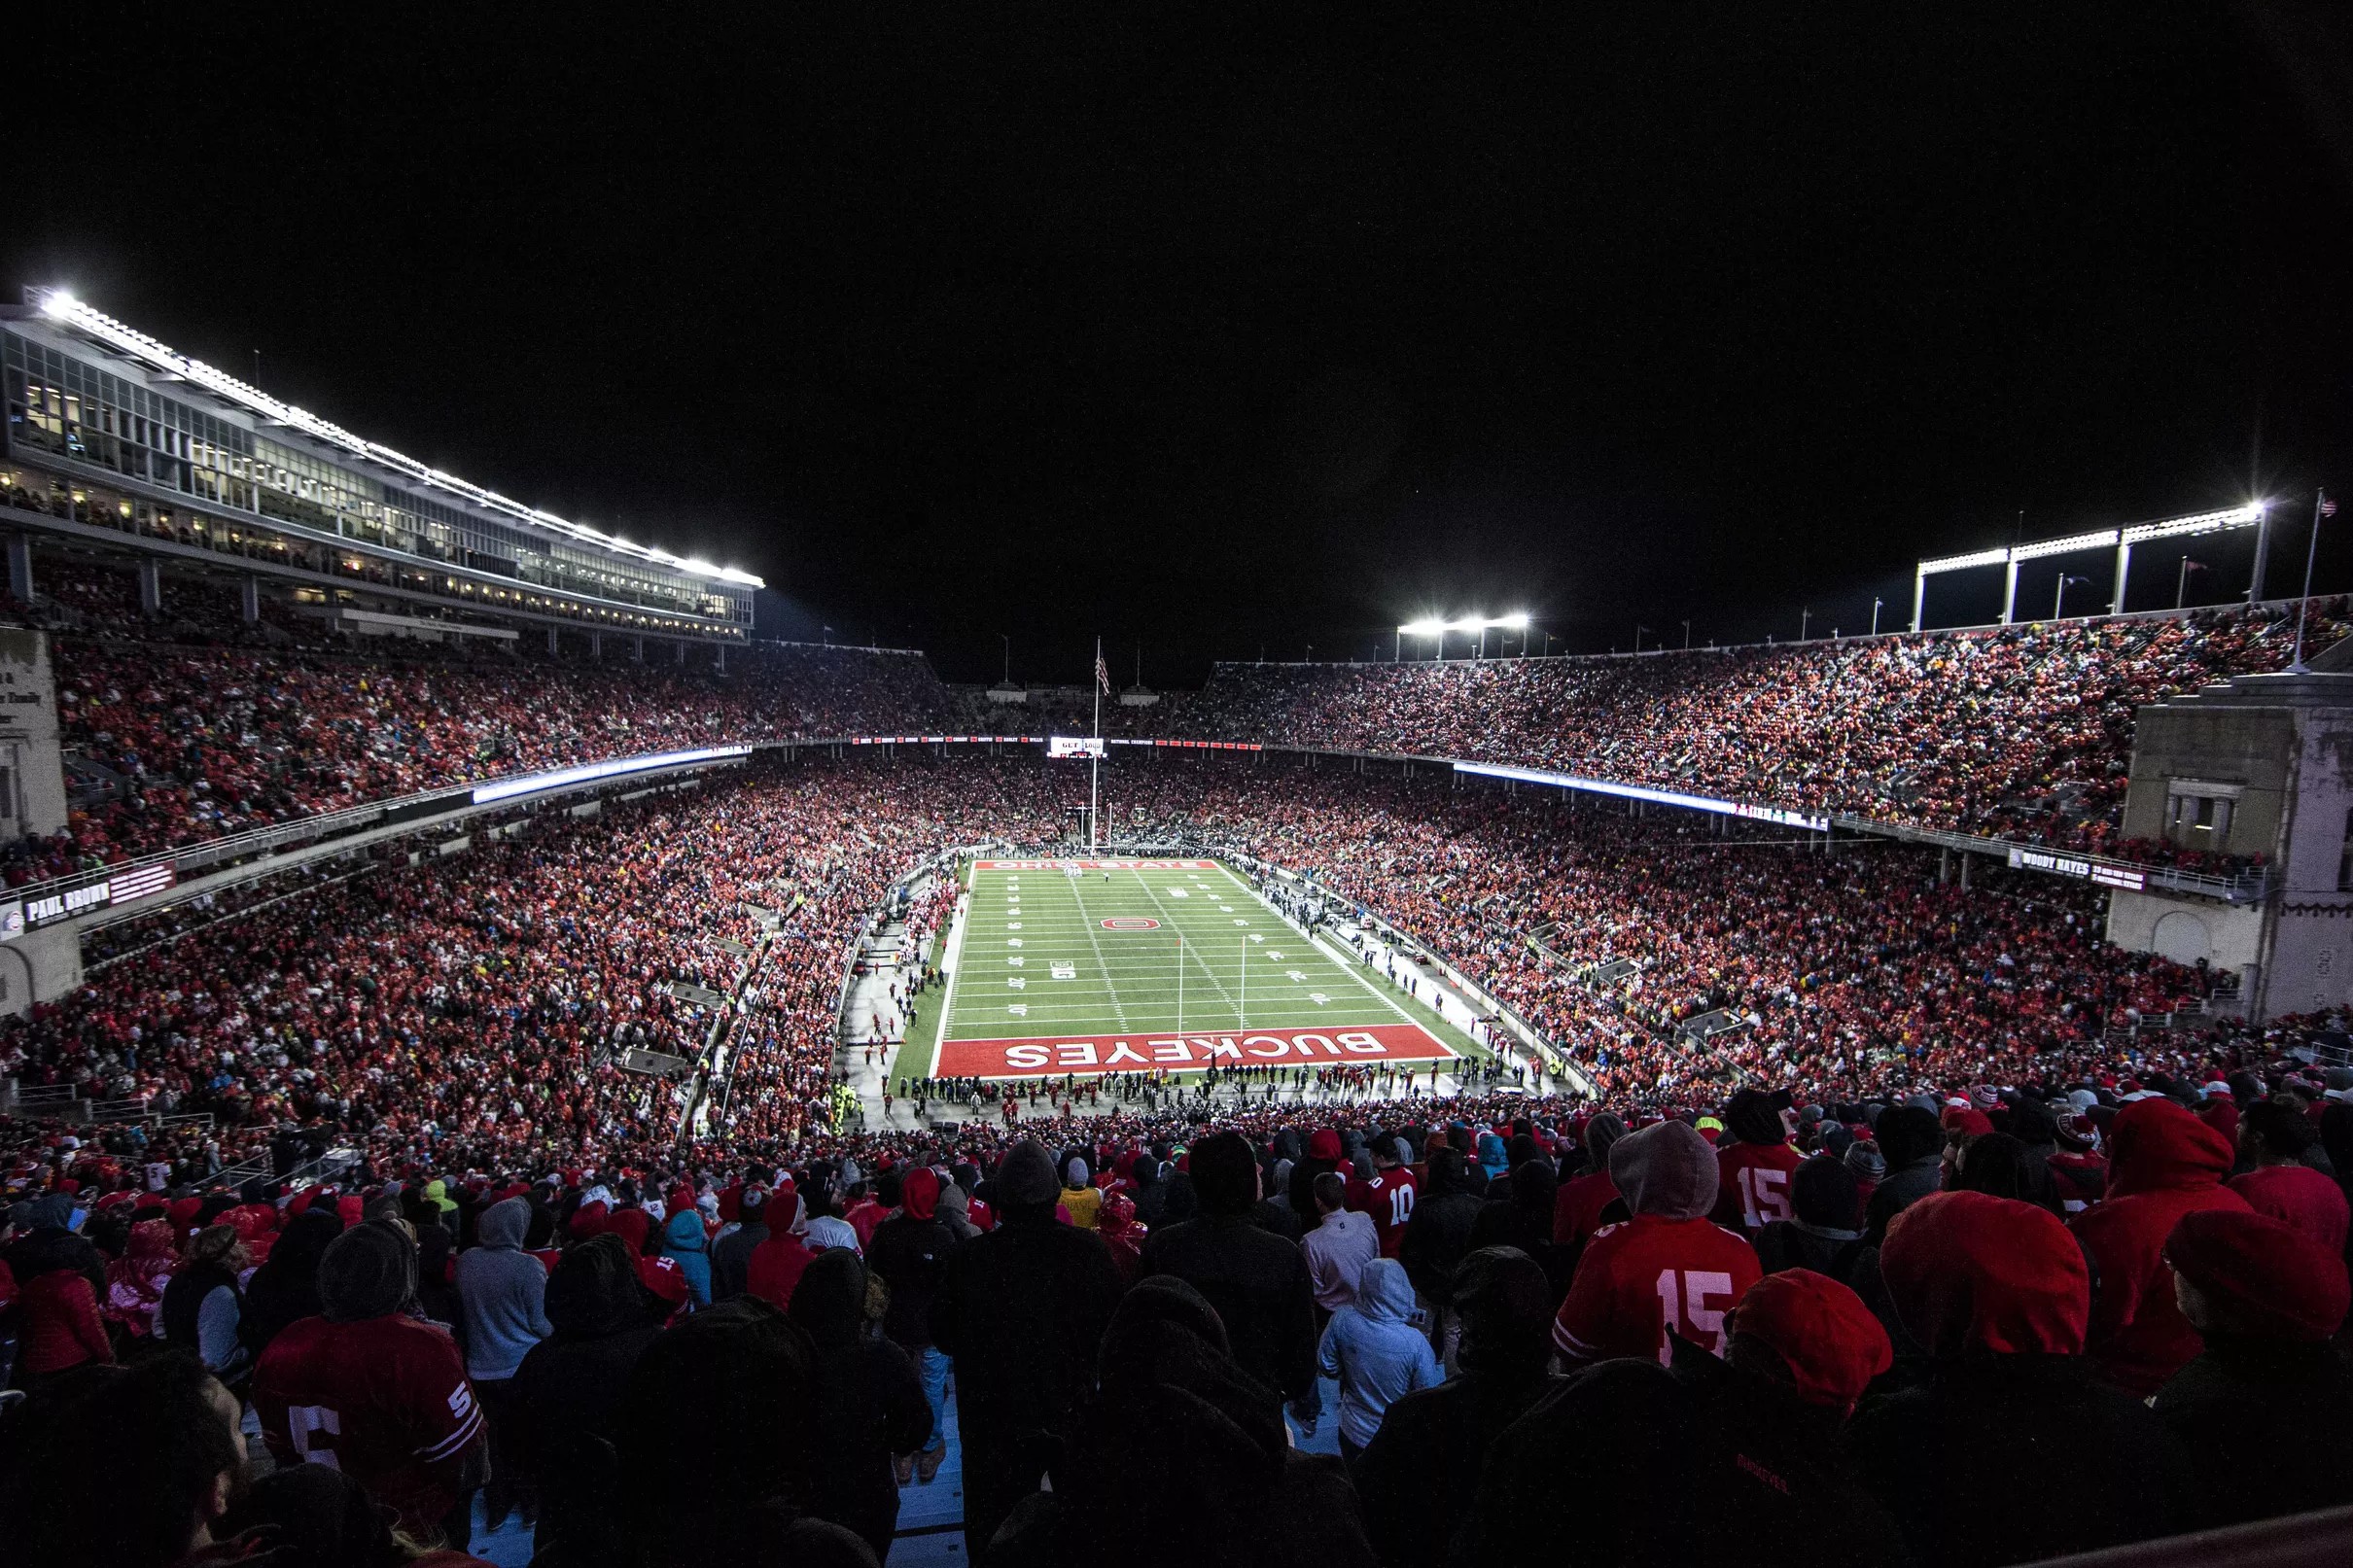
x: 710, y: 1014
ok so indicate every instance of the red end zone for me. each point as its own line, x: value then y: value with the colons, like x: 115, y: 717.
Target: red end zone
x: 1053, y: 1054
x: 1095, y: 865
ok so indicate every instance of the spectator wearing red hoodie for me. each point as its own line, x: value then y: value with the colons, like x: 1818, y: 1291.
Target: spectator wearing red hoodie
x: 1753, y: 1172
x: 2264, y: 1297
x: 2012, y: 1452
x: 1667, y: 1272
x: 2279, y: 1139
x: 1578, y: 1205
x: 2163, y: 1163
x: 59, y: 1330
x: 778, y: 1263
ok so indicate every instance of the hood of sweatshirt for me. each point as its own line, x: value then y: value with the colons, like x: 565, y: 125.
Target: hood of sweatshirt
x: 684, y: 1231
x: 919, y: 1194
x: 2157, y: 1146
x: 503, y: 1224
x: 1384, y: 1295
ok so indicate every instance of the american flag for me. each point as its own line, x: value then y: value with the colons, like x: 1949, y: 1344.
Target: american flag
x: 1102, y: 674
x: 2328, y: 508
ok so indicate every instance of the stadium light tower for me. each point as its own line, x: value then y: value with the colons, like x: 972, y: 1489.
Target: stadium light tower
x: 2059, y: 598
x: 1426, y: 626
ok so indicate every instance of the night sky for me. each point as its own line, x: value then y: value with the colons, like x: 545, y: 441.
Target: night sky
x: 1213, y: 335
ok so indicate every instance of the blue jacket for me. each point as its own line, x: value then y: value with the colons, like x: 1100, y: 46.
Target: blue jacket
x: 682, y: 1240
x: 1375, y: 1350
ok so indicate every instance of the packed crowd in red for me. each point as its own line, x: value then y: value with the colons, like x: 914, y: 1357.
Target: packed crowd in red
x: 1907, y: 1054
x: 210, y: 741
x: 481, y: 999
x: 199, y: 726
x: 526, y: 964
x: 2022, y: 732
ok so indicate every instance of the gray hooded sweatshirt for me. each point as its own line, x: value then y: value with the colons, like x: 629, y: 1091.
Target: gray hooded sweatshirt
x: 500, y: 1290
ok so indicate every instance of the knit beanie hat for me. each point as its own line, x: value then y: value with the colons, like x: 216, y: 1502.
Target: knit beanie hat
x: 1668, y: 1170
x: 1026, y: 1175
x: 1825, y: 1195
x: 367, y: 1272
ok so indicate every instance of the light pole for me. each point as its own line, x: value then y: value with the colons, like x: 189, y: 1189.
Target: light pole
x: 1805, y: 618
x: 2060, y: 598
x: 2180, y: 586
x: 1548, y: 645
x: 1639, y: 629
x: 1687, y: 637
x: 1875, y: 616
x: 1007, y: 641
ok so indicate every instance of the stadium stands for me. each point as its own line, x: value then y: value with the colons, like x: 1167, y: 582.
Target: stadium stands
x: 2022, y: 732
x: 1910, y: 1087
x: 460, y: 1020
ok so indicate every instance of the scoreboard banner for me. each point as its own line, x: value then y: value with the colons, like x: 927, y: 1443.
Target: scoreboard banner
x: 1075, y: 746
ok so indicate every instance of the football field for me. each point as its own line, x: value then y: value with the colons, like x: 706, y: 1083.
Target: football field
x: 1126, y: 965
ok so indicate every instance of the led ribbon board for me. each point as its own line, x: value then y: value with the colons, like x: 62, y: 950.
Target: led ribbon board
x: 1811, y: 822
x: 532, y: 783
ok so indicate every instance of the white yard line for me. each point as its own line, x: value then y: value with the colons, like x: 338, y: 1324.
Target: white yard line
x: 1102, y: 966
x: 1195, y: 950
x: 1339, y: 960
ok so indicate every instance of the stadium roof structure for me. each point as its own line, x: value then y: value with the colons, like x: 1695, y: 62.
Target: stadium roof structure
x: 59, y: 305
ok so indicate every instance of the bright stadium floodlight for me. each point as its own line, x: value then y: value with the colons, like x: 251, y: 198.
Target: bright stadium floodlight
x: 1430, y: 627
x: 2101, y: 540
x: 2205, y: 522
x: 1518, y: 622
x: 1468, y: 623
x: 2121, y: 539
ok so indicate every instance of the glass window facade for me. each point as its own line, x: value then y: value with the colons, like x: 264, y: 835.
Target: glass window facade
x: 75, y: 412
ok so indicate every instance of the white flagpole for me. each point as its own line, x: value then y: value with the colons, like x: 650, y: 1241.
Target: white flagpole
x: 1241, y: 1020
x: 1181, y: 984
x: 1095, y: 763
x: 2320, y: 501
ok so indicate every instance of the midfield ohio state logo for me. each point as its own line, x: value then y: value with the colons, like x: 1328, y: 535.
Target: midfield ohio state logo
x: 1131, y: 923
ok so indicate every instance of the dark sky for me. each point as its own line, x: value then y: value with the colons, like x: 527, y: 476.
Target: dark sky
x: 1209, y: 333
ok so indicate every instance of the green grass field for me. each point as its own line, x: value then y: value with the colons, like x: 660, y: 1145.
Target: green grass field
x: 1170, y: 964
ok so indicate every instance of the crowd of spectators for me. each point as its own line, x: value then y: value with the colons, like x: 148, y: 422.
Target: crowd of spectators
x: 2020, y: 732
x: 191, y: 725
x: 2086, y: 1298
x: 1864, y: 1189
x: 210, y: 741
